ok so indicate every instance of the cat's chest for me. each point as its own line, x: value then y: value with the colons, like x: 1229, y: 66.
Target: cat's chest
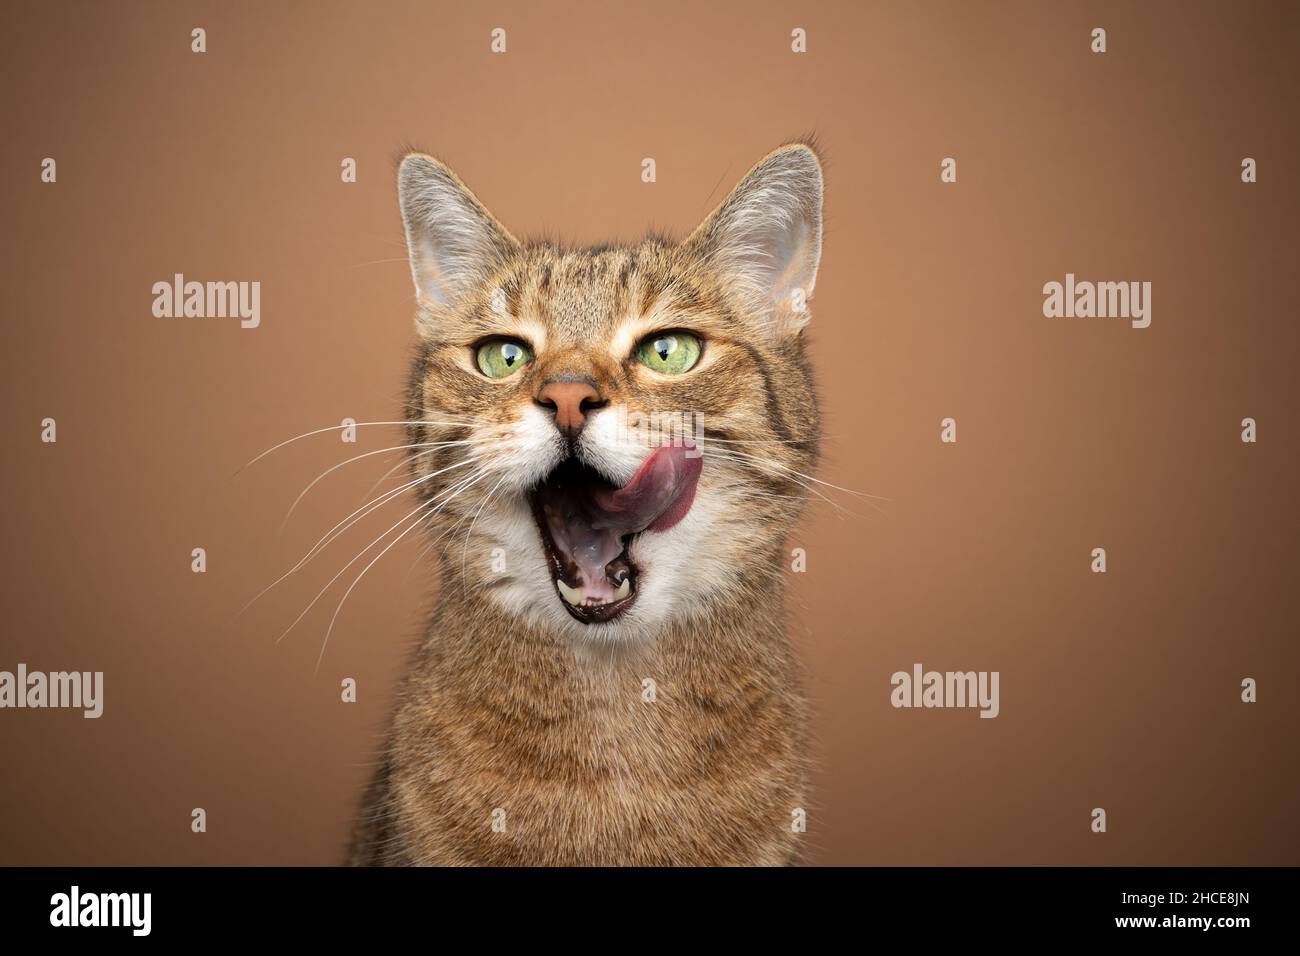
x: 626, y: 780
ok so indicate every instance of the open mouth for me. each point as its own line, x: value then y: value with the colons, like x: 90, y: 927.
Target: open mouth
x: 587, y: 526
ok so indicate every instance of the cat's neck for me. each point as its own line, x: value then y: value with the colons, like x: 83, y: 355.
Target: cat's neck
x: 738, y: 640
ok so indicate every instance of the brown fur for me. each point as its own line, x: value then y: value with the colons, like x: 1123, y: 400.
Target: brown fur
x: 503, y: 711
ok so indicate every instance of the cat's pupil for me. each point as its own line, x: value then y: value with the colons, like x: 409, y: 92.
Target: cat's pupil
x: 664, y: 347
x: 510, y: 353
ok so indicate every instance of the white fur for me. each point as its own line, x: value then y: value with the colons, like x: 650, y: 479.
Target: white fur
x: 678, y: 569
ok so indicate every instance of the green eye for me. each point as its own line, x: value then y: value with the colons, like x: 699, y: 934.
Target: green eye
x: 670, y: 353
x: 502, y: 357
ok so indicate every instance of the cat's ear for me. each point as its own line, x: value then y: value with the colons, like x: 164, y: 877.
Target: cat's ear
x: 452, y: 240
x: 766, y: 237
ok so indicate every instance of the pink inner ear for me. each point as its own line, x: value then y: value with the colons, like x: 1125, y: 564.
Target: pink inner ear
x: 767, y: 234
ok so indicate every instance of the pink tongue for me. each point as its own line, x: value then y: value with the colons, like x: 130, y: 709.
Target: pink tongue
x: 657, y: 497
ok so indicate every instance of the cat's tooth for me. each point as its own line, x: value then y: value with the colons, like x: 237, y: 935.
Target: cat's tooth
x: 624, y: 589
x: 572, y: 595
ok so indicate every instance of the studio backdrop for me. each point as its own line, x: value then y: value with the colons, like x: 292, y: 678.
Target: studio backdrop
x: 1053, y: 335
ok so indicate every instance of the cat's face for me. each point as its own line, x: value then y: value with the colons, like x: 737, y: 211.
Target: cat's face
x: 612, y: 439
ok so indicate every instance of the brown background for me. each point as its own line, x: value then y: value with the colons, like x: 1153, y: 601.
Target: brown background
x: 1118, y: 690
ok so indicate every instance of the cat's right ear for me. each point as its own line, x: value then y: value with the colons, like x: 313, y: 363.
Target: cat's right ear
x: 452, y: 240
x: 766, y: 238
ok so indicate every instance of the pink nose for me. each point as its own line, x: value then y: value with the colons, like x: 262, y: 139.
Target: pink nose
x: 570, y: 401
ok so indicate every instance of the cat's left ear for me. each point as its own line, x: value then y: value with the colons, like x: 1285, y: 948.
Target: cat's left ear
x: 766, y: 237
x: 453, y: 241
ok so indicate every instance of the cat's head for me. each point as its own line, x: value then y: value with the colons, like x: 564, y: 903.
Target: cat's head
x: 612, y: 439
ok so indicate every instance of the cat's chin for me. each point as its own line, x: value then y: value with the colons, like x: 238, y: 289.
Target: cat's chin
x: 587, y: 526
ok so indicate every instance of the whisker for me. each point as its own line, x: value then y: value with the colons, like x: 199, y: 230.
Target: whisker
x: 380, y: 451
x: 377, y: 502
x: 464, y: 551
x: 423, y: 505
x: 389, y: 473
x: 338, y: 610
x: 833, y: 503
x: 786, y: 468
x: 764, y: 441
x: 375, y: 262
x: 347, y: 523
x: 753, y: 495
x: 406, y: 460
x: 285, y: 633
x: 433, y: 543
x: 753, y: 460
x: 343, y: 600
x: 334, y: 428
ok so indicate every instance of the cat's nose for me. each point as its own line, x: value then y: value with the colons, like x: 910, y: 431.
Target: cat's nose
x: 571, y: 401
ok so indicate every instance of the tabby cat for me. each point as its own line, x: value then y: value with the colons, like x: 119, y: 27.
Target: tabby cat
x: 607, y: 678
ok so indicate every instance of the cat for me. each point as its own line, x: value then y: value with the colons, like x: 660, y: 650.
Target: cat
x: 606, y: 679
